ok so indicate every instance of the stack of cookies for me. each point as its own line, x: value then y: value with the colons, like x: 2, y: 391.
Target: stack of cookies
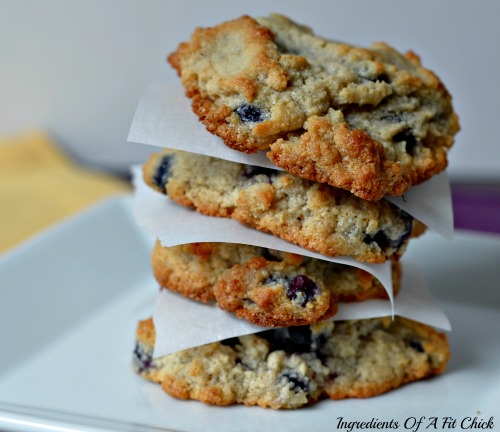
x: 344, y: 127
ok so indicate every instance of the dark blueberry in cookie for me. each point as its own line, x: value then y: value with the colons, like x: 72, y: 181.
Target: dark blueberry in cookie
x: 252, y: 171
x: 141, y: 359
x: 301, y: 287
x: 383, y: 78
x: 380, y: 78
x: 409, y: 139
x: 289, y: 339
x: 250, y: 113
x: 163, y: 171
x: 294, y: 339
x: 297, y: 381
x: 333, y: 376
x: 266, y: 253
x: 380, y: 238
x: 231, y: 342
x: 385, y: 242
x: 416, y: 345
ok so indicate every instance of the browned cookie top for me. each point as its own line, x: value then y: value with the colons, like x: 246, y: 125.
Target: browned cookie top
x: 371, y: 121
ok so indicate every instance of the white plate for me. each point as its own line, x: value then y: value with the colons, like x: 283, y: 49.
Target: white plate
x: 70, y: 300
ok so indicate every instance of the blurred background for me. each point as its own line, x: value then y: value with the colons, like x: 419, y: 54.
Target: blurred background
x: 74, y: 71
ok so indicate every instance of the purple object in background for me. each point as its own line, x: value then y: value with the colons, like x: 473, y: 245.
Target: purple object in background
x: 476, y: 207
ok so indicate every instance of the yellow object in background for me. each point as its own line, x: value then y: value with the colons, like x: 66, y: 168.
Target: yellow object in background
x: 40, y: 185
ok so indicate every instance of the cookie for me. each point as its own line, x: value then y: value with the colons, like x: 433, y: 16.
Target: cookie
x: 313, y: 215
x: 266, y: 287
x: 368, y: 120
x: 293, y: 367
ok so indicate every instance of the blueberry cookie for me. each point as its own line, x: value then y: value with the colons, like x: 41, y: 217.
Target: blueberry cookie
x: 313, y: 215
x: 371, y: 121
x: 296, y: 366
x: 266, y: 287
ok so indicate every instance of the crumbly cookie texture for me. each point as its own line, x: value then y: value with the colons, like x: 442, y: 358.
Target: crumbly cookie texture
x: 296, y: 366
x: 371, y: 121
x: 266, y: 287
x: 313, y: 215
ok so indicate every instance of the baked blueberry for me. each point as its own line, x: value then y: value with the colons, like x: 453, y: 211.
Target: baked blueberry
x: 163, y: 171
x: 416, y: 345
x: 379, y: 78
x: 385, y: 242
x: 292, y: 339
x: 383, y: 78
x: 231, y: 342
x: 253, y: 171
x: 297, y: 381
x: 250, y: 113
x: 266, y: 253
x: 141, y: 359
x: 298, y: 288
x: 303, y: 288
x: 408, y: 138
